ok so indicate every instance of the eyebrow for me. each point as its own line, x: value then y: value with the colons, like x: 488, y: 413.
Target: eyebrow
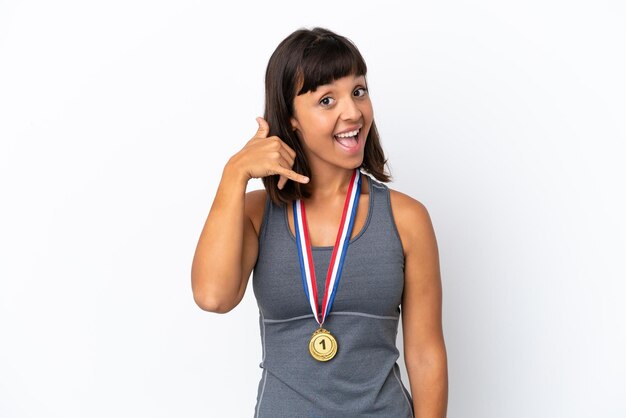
x: 331, y: 86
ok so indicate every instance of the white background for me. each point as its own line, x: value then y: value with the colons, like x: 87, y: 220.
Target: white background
x: 506, y: 119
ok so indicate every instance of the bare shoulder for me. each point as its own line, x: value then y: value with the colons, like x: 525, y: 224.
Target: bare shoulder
x: 412, y: 221
x: 255, y: 207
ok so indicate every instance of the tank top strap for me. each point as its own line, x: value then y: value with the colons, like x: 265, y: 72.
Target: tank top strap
x: 382, y: 225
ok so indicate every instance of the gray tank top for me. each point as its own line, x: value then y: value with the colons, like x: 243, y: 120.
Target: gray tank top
x: 363, y: 379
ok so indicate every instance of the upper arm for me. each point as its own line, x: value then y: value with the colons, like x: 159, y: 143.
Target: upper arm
x: 254, y: 210
x: 422, y: 296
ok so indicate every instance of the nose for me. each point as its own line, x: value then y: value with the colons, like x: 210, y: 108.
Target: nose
x: 350, y: 110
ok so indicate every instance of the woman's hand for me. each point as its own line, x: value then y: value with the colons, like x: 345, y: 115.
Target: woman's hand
x: 264, y: 156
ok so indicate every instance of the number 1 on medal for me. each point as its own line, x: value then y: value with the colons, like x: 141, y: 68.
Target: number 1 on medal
x: 323, y: 343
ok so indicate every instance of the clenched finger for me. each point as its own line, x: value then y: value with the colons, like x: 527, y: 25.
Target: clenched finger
x: 287, y: 157
x: 289, y: 150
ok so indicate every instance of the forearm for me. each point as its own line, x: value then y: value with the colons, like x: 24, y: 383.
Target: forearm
x: 428, y: 377
x: 216, y: 268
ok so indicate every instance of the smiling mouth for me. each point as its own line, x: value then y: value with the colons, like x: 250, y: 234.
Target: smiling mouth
x: 349, y: 139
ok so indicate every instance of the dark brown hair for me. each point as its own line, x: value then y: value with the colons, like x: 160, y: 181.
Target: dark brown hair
x: 310, y: 58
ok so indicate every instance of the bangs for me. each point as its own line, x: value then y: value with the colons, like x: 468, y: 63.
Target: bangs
x: 326, y: 60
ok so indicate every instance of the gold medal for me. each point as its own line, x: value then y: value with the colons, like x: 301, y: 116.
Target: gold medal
x: 323, y: 345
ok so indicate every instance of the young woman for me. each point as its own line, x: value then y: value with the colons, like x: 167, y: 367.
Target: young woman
x: 336, y: 253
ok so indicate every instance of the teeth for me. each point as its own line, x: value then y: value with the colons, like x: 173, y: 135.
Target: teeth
x: 347, y: 134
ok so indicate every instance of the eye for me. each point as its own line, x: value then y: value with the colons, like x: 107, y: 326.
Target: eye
x: 326, y: 101
x: 360, y: 92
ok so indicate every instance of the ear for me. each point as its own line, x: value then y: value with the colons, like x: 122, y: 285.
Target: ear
x: 294, y: 124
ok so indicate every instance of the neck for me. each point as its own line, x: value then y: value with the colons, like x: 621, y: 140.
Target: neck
x: 330, y: 183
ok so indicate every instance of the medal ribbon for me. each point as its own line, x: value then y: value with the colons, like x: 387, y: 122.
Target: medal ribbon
x: 307, y: 269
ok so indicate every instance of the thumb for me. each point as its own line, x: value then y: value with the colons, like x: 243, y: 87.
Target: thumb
x: 264, y: 128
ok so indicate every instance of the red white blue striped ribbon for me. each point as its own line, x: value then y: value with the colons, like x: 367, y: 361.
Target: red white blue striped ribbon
x: 303, y: 244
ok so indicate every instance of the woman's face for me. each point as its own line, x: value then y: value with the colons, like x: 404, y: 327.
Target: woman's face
x: 333, y: 121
